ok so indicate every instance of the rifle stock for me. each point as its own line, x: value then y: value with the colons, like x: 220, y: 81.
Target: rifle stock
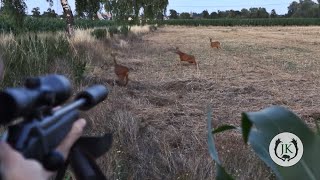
x: 43, y: 129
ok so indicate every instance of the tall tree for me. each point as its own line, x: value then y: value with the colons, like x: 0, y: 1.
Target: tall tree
x: 273, y: 13
x: 87, y: 8
x: 173, y: 14
x: 15, y: 9
x: 122, y: 9
x: 185, y: 15
x: 205, y: 14
x: 214, y: 15
x: 292, y: 8
x: 50, y: 13
x: 36, y: 12
x: 245, y: 13
x: 69, y: 17
x: 303, y: 8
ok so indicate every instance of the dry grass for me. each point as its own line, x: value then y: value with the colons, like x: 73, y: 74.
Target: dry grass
x: 159, y: 119
x: 140, y: 29
x: 83, y: 35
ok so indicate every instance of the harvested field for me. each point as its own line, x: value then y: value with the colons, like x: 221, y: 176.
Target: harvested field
x: 159, y: 119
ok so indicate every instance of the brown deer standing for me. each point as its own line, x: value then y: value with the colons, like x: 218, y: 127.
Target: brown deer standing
x: 215, y: 44
x: 186, y: 57
x: 121, y: 71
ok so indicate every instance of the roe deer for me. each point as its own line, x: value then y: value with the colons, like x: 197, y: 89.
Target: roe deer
x: 121, y: 71
x: 215, y: 44
x: 186, y: 57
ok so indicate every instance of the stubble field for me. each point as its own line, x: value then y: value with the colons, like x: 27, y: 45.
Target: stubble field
x: 159, y: 118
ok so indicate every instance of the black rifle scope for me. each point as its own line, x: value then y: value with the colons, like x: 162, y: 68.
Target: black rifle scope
x: 46, y: 91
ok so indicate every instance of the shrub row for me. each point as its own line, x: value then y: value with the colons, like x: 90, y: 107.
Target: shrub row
x: 242, y: 22
x: 49, y: 24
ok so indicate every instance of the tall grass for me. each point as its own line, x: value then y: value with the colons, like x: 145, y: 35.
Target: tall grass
x: 33, y: 55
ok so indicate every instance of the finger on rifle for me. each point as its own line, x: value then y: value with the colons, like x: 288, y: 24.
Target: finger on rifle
x: 74, y: 134
x: 56, y: 108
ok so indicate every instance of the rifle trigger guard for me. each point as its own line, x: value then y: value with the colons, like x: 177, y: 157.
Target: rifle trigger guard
x: 53, y: 161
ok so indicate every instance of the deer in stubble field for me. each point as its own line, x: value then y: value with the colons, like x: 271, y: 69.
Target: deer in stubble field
x: 215, y: 44
x: 121, y: 71
x: 185, y: 57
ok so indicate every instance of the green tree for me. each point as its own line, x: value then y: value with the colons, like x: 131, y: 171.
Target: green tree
x: 262, y: 13
x: 185, y: 15
x: 205, y: 14
x: 303, y: 8
x: 292, y: 8
x: 233, y: 14
x: 273, y: 13
x: 173, y: 14
x: 36, y: 12
x: 50, y: 13
x: 87, y: 8
x: 214, y: 15
x: 123, y: 9
x: 245, y: 13
x: 15, y: 9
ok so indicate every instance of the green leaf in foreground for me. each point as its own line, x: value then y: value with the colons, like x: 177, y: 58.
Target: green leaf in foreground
x: 317, y: 121
x: 274, y: 120
x: 221, y: 173
x: 223, y: 128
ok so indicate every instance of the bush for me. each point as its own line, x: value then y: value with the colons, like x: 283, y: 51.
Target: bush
x: 153, y: 28
x: 113, y: 30
x: 124, y: 30
x: 99, y: 33
x: 32, y: 24
x: 241, y: 22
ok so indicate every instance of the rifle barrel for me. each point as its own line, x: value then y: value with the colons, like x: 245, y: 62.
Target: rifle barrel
x: 49, y: 121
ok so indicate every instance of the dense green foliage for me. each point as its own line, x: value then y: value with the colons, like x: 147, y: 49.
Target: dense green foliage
x: 15, y: 10
x: 123, y: 9
x: 242, y: 22
x: 87, y: 8
x: 55, y: 24
x: 48, y: 24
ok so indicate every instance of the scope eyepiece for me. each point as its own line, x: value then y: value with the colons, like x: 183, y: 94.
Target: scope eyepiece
x: 50, y: 90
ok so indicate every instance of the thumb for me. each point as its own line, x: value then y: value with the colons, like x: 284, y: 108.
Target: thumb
x: 6, y: 152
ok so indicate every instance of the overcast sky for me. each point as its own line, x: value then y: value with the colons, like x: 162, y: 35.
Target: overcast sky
x: 281, y: 6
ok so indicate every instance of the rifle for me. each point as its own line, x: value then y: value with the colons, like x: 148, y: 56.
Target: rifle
x: 39, y: 129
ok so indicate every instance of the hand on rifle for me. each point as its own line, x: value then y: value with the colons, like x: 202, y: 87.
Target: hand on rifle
x: 14, y: 166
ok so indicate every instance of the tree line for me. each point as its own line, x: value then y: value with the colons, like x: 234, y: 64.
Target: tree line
x: 142, y: 10
x: 301, y: 9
